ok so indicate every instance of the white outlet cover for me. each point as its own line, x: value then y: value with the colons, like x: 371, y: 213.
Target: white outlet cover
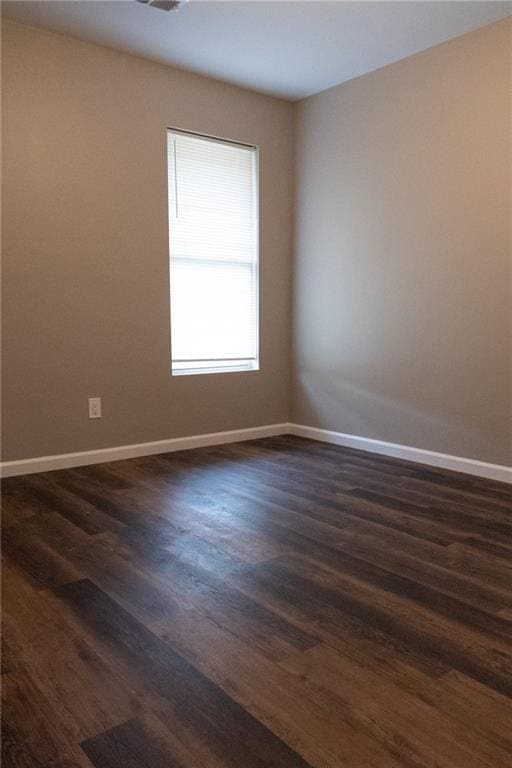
x: 95, y: 407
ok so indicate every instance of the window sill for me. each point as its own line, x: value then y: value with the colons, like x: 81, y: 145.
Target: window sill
x: 222, y: 369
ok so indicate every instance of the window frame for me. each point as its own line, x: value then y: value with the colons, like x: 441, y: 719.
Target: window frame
x: 254, y: 363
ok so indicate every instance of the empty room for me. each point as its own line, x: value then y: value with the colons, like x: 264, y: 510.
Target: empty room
x: 256, y: 384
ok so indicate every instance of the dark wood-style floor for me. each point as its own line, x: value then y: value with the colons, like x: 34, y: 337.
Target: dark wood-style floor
x: 274, y: 603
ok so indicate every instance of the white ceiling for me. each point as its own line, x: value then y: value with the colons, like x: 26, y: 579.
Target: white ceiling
x: 287, y: 49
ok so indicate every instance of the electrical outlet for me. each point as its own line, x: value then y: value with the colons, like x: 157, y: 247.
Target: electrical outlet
x: 95, y: 407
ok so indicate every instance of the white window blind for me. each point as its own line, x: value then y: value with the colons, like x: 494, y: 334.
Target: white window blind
x: 213, y: 236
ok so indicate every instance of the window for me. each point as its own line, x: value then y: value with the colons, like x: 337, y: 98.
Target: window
x: 213, y: 236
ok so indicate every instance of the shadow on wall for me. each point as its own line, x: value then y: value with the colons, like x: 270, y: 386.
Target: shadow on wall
x: 367, y: 413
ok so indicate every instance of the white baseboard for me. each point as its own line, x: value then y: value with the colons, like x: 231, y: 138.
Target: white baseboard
x: 443, y: 460
x: 102, y: 455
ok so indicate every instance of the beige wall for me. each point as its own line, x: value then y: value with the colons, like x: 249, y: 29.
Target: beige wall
x: 402, y: 309
x: 402, y: 283
x: 85, y: 253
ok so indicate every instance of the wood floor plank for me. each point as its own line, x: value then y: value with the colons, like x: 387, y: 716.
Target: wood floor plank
x: 197, y: 702
x: 394, y: 716
x: 33, y: 735
x: 314, y: 722
x: 39, y: 562
x: 14, y: 754
x: 245, y: 616
x: 130, y: 745
x: 281, y: 602
x: 429, y: 571
x: 324, y: 598
x: 58, y: 666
